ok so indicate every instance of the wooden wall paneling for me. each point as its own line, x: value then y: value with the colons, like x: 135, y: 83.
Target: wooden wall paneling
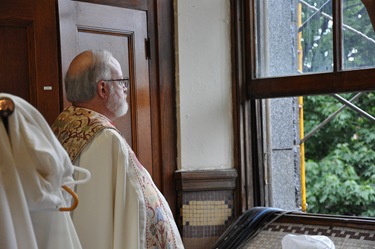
x: 205, y: 180
x: 15, y: 72
x: 47, y: 60
x: 29, y: 66
x: 163, y: 71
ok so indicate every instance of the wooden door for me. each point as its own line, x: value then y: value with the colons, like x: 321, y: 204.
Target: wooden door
x: 124, y: 33
x: 30, y: 68
x: 29, y: 65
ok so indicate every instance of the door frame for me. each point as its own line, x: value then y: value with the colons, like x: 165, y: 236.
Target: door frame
x: 160, y: 22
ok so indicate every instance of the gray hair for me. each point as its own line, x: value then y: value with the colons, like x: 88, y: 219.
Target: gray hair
x: 82, y: 85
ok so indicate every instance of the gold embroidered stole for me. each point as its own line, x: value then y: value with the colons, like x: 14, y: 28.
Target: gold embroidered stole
x: 159, y: 230
x: 75, y: 127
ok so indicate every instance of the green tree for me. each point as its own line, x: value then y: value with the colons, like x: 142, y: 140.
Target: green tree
x: 340, y: 157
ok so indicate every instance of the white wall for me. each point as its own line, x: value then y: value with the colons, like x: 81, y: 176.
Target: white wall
x: 204, y: 94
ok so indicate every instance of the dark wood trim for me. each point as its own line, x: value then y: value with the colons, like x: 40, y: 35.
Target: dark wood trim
x: 154, y: 92
x: 309, y: 84
x: 130, y: 4
x: 328, y: 220
x: 205, y: 180
x: 257, y: 154
x: 248, y: 152
x: 237, y: 96
x: 163, y: 112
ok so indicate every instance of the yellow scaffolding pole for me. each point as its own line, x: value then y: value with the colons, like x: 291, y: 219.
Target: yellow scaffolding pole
x: 301, y: 126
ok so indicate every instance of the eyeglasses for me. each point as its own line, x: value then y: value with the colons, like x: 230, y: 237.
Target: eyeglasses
x: 123, y: 82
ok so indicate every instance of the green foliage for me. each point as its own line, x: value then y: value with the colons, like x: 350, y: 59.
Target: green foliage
x: 340, y: 167
x: 340, y: 156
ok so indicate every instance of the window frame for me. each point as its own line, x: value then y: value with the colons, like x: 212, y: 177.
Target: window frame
x: 249, y: 91
x: 337, y: 81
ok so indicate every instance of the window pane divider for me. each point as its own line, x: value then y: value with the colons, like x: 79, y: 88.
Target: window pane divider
x: 310, y: 84
x: 337, y: 35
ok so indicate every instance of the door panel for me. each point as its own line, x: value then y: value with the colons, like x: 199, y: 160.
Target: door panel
x: 15, y: 70
x: 28, y: 48
x: 123, y: 32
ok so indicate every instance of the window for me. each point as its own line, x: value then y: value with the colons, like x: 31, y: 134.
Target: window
x: 276, y: 26
x: 289, y: 49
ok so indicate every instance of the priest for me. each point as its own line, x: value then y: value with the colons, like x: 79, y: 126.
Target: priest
x: 120, y: 207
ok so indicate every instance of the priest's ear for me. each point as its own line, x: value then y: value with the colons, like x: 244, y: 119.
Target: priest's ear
x: 102, y: 89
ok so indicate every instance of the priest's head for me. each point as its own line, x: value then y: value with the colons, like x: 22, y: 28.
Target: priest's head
x: 94, y: 81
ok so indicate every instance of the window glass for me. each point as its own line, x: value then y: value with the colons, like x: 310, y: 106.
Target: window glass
x: 316, y: 36
x: 358, y: 36
x: 320, y: 153
x: 340, y: 153
x: 296, y: 37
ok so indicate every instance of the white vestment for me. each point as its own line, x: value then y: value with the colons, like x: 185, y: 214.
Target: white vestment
x: 33, y: 168
x: 120, y: 207
x: 100, y: 221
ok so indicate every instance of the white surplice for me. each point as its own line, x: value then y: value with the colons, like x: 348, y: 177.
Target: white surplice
x: 33, y: 167
x: 117, y: 219
x: 99, y: 217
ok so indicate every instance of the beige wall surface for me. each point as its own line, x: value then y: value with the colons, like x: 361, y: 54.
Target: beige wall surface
x: 203, y: 75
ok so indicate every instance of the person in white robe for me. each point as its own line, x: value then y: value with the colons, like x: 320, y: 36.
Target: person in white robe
x: 121, y: 207
x: 33, y: 168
